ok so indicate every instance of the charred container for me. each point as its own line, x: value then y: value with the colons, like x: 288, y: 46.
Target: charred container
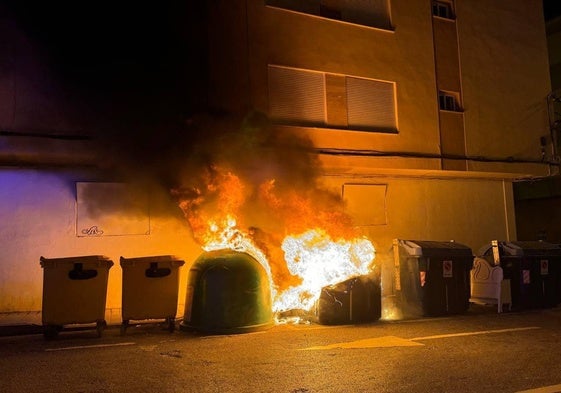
x: 227, y: 292
x: 353, y: 301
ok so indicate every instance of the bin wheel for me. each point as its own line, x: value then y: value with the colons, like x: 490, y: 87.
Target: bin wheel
x: 50, y: 332
x: 100, y: 326
x: 171, y: 324
x: 124, y: 327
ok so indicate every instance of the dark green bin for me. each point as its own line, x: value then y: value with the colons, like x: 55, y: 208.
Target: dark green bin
x: 227, y: 292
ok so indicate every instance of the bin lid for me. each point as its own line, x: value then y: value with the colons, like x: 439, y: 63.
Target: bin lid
x: 170, y: 259
x: 101, y: 260
x: 434, y: 248
x: 524, y: 248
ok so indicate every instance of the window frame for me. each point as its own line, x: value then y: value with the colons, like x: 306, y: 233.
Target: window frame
x: 440, y: 5
x: 449, y: 101
x: 375, y: 128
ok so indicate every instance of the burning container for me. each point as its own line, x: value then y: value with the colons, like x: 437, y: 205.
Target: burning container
x: 150, y: 289
x: 432, y: 277
x: 533, y: 268
x: 356, y: 300
x: 227, y: 292
x: 74, y: 292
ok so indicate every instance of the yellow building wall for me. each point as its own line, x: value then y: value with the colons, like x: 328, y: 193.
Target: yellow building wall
x: 452, y: 138
x: 404, y: 56
x: 505, y: 81
x: 504, y: 90
x: 469, y: 211
x: 499, y: 64
x: 38, y: 213
x: 446, y: 55
x: 502, y: 62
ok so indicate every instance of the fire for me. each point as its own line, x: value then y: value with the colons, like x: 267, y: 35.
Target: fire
x: 303, y: 248
x: 320, y: 262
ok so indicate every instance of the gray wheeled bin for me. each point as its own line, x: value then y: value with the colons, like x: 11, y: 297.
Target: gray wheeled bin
x: 150, y: 289
x: 74, y: 292
x: 534, y: 270
x: 432, y: 277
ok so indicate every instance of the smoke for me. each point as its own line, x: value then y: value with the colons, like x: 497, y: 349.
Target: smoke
x: 246, y: 175
x: 267, y: 178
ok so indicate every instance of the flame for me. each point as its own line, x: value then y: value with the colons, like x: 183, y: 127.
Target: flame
x: 299, y: 264
x: 300, y: 210
x: 320, y: 262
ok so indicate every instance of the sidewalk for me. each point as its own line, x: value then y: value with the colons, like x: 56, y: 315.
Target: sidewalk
x: 18, y: 329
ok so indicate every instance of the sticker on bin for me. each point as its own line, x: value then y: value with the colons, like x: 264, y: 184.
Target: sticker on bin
x: 544, y: 267
x: 525, y: 277
x: 423, y: 278
x: 446, y: 268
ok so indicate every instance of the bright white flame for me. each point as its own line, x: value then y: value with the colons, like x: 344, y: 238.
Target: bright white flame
x: 320, y: 262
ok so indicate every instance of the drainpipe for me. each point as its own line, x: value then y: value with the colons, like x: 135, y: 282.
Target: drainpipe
x: 554, y: 123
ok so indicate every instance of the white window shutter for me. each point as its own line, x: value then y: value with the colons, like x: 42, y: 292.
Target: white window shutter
x: 371, y: 104
x: 296, y: 96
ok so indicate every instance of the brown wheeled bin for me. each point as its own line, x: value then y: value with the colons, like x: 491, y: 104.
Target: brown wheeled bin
x: 74, y: 292
x: 150, y: 289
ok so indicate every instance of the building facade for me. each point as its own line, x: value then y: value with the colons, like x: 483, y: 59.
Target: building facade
x: 419, y: 114
x: 537, y: 201
x: 422, y: 113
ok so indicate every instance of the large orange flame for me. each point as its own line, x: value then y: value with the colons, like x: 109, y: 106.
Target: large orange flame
x: 309, y: 242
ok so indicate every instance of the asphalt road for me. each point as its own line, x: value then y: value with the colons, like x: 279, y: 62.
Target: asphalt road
x: 475, y: 352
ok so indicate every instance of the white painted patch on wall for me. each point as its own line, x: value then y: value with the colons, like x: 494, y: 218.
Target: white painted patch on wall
x: 111, y: 209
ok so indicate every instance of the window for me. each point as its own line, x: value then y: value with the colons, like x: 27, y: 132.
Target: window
x: 374, y: 13
x: 311, y: 98
x: 448, y: 101
x: 442, y: 9
x: 370, y: 104
x: 296, y: 96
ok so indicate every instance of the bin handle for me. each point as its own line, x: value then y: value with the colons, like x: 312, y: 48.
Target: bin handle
x: 154, y: 271
x: 78, y: 273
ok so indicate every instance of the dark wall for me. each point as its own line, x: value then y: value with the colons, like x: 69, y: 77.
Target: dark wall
x: 538, y: 209
x: 129, y: 77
